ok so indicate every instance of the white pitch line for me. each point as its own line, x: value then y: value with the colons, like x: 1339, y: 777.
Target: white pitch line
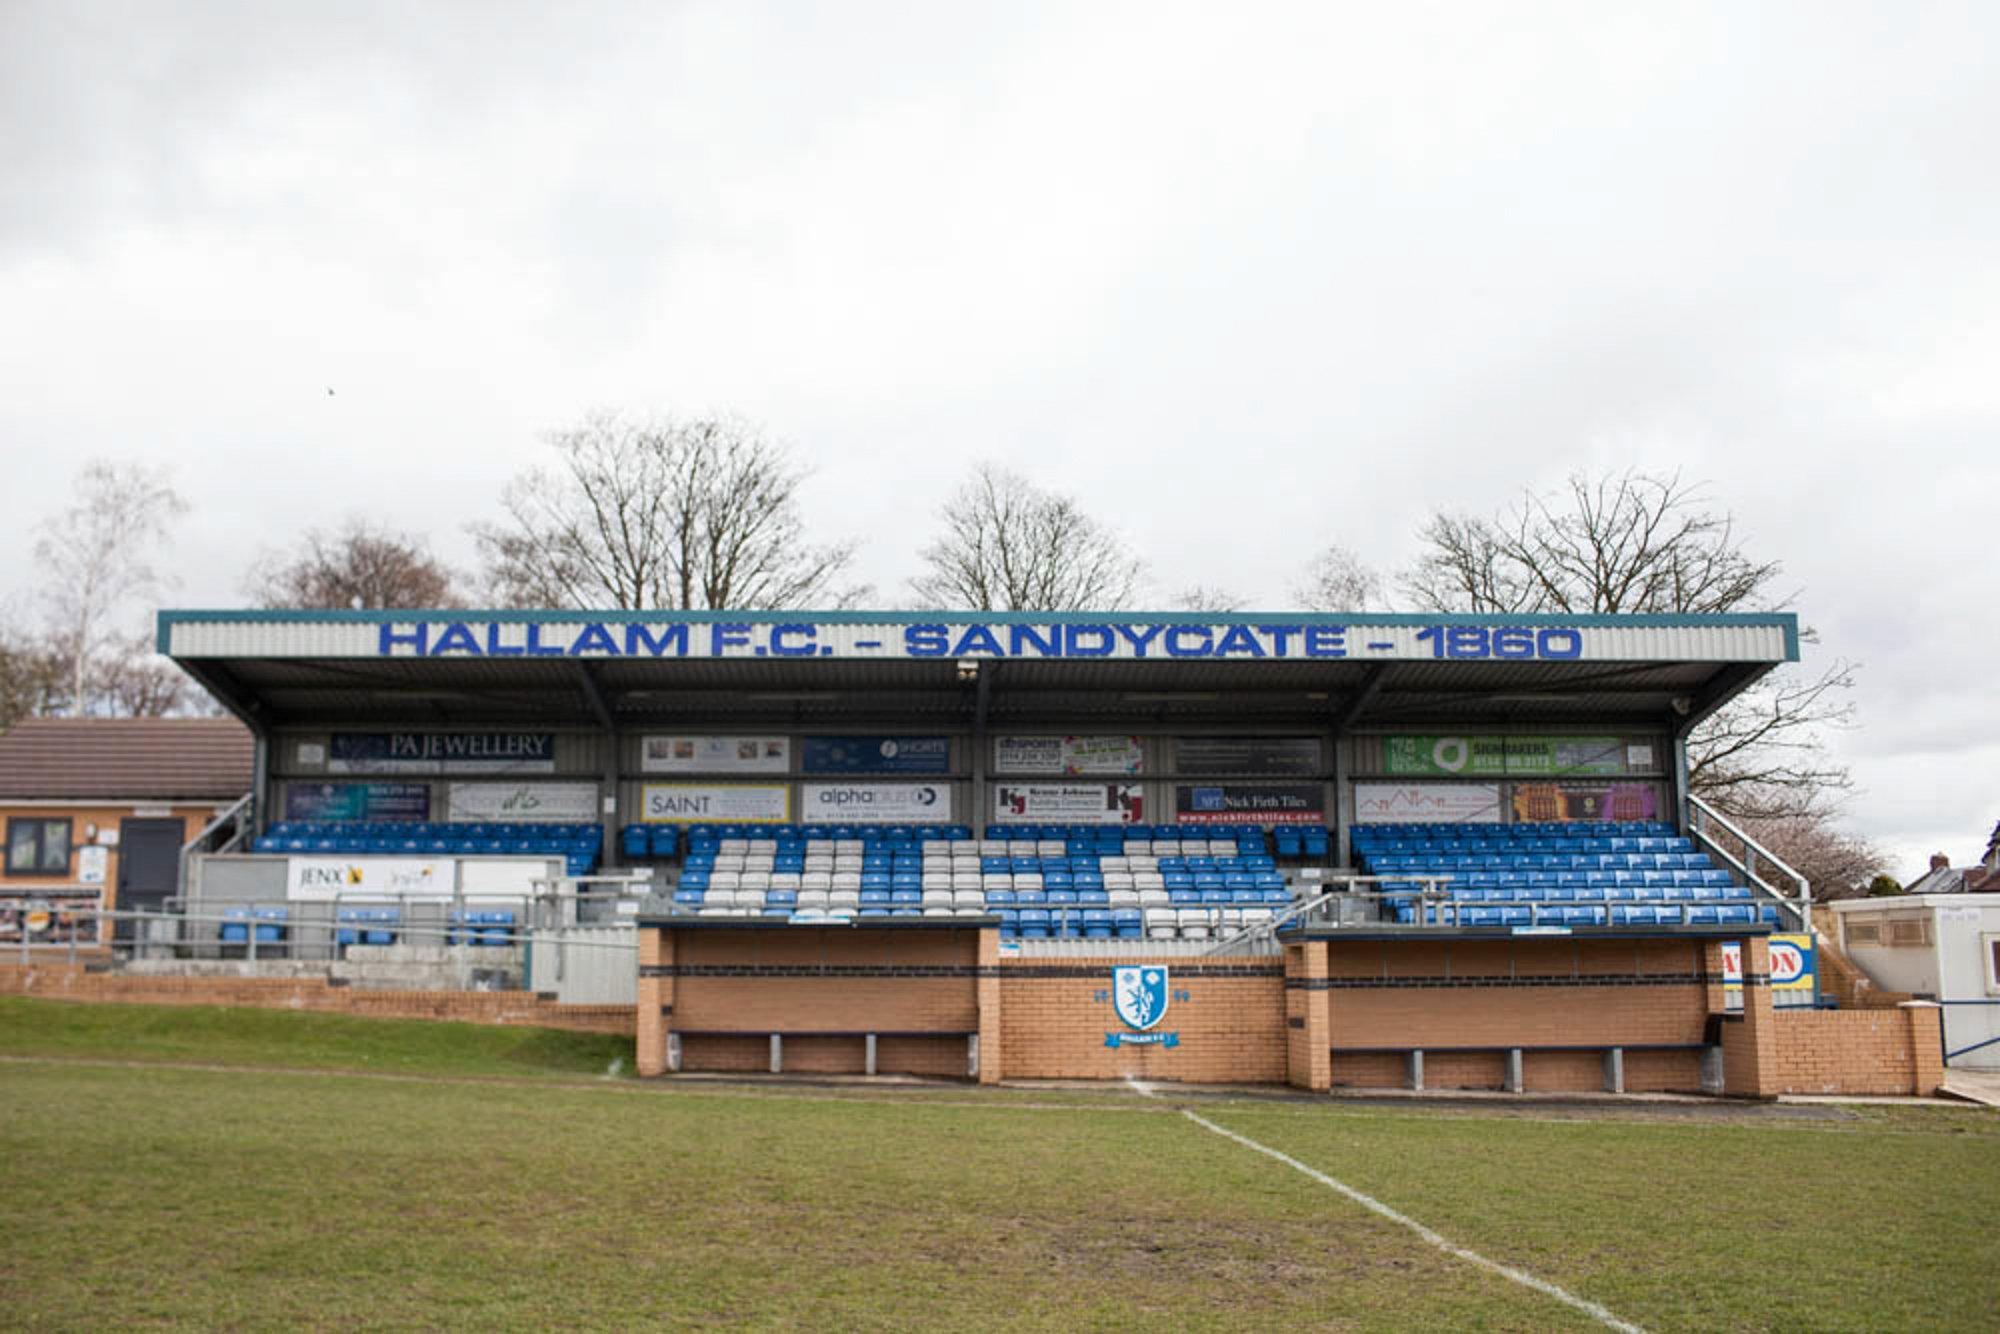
x: 1449, y: 1247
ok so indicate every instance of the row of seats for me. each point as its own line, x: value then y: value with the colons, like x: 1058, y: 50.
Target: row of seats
x: 878, y: 865
x: 577, y: 844
x: 1389, y: 863
x: 1270, y: 881
x: 1620, y: 914
x: 364, y: 926
x: 837, y: 900
x: 1567, y: 875
x: 1368, y: 833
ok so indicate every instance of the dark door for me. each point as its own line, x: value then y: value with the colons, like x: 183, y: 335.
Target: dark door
x: 149, y: 866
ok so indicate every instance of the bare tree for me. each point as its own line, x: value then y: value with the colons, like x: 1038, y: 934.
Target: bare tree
x: 1633, y: 542
x: 677, y: 515
x: 1338, y: 581
x: 1637, y: 542
x: 132, y: 681
x: 96, y: 559
x: 357, y: 566
x: 1010, y: 546
x: 32, y: 681
x: 1206, y: 598
x: 1839, y: 864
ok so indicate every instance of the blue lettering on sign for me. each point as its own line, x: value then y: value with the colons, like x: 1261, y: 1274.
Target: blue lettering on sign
x: 457, y: 638
x: 1139, y: 637
x: 782, y: 635
x: 639, y: 637
x: 594, y: 639
x: 925, y: 641
x: 1142, y: 1039
x: 1057, y: 640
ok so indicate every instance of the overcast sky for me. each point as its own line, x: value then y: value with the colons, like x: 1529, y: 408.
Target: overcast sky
x: 1242, y: 281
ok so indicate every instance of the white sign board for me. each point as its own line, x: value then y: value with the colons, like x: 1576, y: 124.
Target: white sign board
x: 1068, y: 755
x: 1070, y: 803
x: 1427, y: 803
x: 715, y: 755
x: 875, y: 803
x: 91, y: 863
x: 705, y: 803
x: 484, y: 802
x: 323, y: 879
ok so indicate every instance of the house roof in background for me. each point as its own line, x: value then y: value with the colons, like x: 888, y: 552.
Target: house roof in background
x: 67, y: 759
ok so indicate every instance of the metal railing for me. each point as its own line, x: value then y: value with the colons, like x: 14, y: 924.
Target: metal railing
x: 1704, y: 816
x: 309, y: 932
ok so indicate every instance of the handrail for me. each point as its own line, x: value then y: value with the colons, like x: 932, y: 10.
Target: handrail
x: 236, y: 812
x: 1705, y: 814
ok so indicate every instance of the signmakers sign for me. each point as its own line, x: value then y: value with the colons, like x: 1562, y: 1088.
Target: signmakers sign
x: 573, y: 802
x: 441, y: 752
x: 877, y: 754
x: 1141, y: 997
x: 358, y: 801
x: 716, y: 755
x: 323, y: 879
x: 1427, y: 803
x: 886, y: 803
x: 1448, y: 755
x: 1070, y: 803
x: 703, y: 803
x: 1068, y: 755
x: 1301, y: 803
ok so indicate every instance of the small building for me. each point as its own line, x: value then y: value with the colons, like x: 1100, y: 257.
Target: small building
x: 1938, y: 946
x: 98, y: 810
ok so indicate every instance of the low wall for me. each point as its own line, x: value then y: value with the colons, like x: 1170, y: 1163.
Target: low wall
x: 75, y: 983
x: 1857, y: 1052
x: 1226, y: 1019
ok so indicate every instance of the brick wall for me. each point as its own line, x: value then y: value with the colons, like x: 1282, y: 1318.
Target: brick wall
x: 1869, y: 1051
x: 1526, y: 993
x: 63, y: 982
x: 1230, y: 1025
x: 724, y: 992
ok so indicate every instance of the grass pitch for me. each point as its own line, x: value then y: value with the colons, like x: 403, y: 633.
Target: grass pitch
x: 319, y: 1170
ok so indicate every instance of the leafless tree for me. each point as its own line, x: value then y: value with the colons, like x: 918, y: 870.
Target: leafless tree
x: 1838, y: 863
x: 1636, y: 542
x: 357, y: 566
x: 97, y: 558
x: 1007, y: 545
x: 1206, y: 598
x: 32, y: 680
x: 1338, y: 581
x: 132, y: 681
x: 661, y: 514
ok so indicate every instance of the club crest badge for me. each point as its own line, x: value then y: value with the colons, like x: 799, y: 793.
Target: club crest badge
x: 1141, y: 997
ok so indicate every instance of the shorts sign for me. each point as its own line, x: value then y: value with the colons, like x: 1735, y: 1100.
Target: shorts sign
x: 876, y: 754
